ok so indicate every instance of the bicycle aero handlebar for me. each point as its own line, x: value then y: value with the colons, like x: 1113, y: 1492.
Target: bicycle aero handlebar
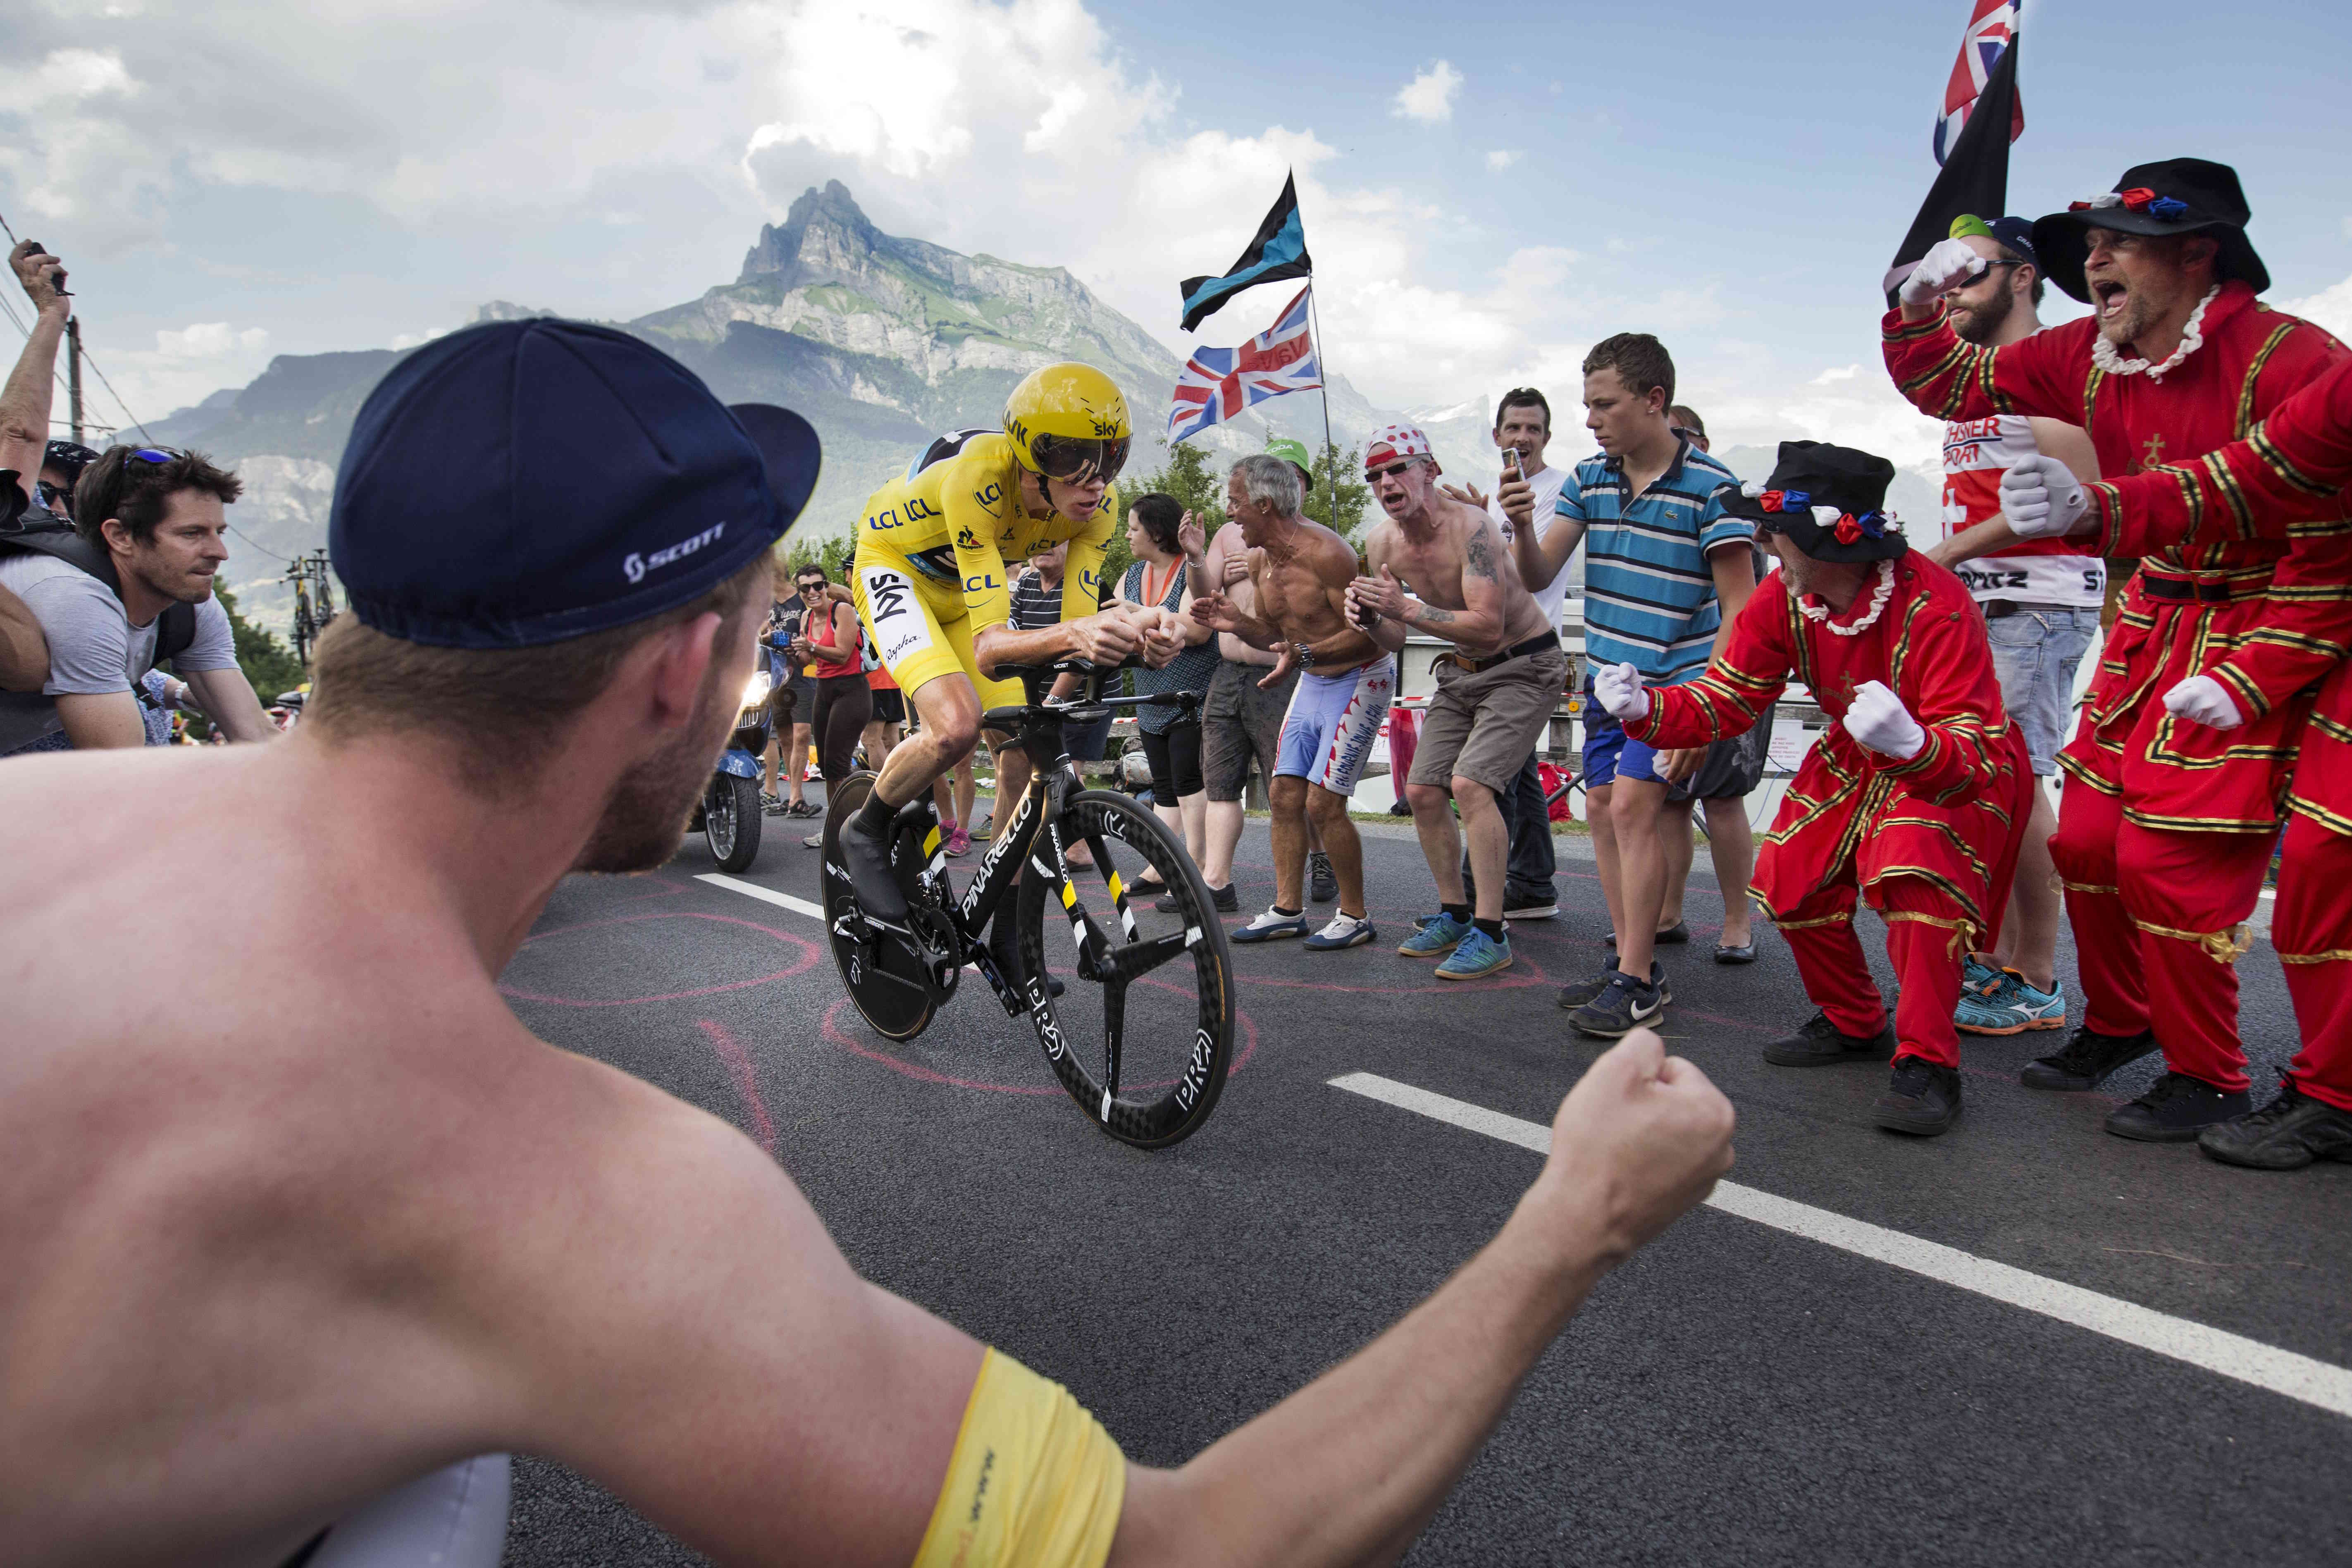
x: 1086, y: 703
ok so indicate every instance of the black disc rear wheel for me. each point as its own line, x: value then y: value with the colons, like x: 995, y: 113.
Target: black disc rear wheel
x: 1144, y: 1038
x: 883, y: 975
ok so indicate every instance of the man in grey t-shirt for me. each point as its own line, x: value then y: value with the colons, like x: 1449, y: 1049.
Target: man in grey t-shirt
x: 158, y: 516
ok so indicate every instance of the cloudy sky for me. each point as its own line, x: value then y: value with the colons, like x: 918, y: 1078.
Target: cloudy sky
x: 1484, y: 198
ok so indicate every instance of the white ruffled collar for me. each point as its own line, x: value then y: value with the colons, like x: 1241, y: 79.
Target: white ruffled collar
x: 1820, y: 613
x: 2104, y: 355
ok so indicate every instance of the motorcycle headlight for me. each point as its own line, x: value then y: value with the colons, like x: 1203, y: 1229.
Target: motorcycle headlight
x: 756, y: 689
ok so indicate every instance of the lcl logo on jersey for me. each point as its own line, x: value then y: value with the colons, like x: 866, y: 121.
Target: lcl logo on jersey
x: 980, y: 584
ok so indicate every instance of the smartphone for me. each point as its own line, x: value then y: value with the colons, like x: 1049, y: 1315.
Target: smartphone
x: 41, y: 249
x: 1511, y: 469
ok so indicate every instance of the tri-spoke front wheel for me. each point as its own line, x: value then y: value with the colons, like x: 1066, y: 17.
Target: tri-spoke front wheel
x: 1144, y: 1036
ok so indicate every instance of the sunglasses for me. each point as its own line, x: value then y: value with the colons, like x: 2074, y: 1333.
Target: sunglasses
x: 155, y: 454
x: 1392, y: 471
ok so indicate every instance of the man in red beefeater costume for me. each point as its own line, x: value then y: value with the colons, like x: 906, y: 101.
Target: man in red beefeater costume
x: 2281, y: 481
x: 1914, y: 800
x: 2166, y: 824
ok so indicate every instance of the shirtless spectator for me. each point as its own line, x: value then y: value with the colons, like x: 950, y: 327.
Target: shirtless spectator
x: 1496, y: 691
x: 1300, y: 572
x: 1240, y: 718
x: 388, y: 1229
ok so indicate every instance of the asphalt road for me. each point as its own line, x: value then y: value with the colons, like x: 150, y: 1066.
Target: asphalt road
x: 1734, y: 1394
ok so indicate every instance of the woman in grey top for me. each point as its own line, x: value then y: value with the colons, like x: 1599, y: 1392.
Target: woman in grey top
x: 1170, y: 740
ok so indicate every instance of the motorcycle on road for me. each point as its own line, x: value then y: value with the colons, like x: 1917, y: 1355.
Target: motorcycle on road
x: 728, y: 814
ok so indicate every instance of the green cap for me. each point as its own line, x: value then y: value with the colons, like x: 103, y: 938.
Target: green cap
x: 1295, y: 453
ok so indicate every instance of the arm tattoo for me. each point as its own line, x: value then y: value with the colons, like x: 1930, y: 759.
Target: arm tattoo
x: 1431, y: 615
x: 1478, y: 557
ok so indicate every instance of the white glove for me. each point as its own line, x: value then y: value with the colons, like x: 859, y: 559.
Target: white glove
x: 1878, y: 719
x: 2042, y: 499
x: 2201, y: 700
x: 1948, y: 264
x: 1619, y: 689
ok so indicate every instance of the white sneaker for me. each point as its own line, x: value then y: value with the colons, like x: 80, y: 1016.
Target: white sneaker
x: 1345, y: 931
x: 1271, y: 924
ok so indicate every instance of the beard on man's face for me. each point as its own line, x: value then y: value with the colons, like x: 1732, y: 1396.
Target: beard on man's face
x: 1977, y: 323
x: 645, y: 818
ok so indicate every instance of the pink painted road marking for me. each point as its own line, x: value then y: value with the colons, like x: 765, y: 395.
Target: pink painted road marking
x: 805, y: 947
x: 739, y: 1067
x: 834, y: 1035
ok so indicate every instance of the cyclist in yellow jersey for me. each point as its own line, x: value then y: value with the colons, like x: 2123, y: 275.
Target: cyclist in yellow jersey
x: 932, y: 587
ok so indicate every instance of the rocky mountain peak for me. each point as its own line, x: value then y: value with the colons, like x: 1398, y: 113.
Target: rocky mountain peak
x: 832, y: 209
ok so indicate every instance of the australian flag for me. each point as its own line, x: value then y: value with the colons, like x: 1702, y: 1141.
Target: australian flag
x: 1278, y: 251
x: 1218, y: 384
x: 1990, y: 28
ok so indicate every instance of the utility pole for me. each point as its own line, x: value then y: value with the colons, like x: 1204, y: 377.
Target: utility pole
x: 73, y: 375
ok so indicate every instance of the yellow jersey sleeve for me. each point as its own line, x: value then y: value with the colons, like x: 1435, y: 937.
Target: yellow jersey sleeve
x: 1035, y: 1480
x: 980, y: 495
x: 1082, y: 573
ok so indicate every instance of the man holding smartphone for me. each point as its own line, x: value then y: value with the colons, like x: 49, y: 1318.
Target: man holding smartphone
x: 1522, y: 431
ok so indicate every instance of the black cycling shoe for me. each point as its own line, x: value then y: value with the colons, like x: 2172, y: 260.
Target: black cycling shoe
x: 867, y: 861
x: 1583, y: 991
x: 1923, y: 1100
x: 1006, y: 949
x: 1224, y: 898
x: 2087, y: 1061
x: 1321, y: 885
x: 2175, y: 1110
x: 2287, y: 1134
x: 1820, y: 1043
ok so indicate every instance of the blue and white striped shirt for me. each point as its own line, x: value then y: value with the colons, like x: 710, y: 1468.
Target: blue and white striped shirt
x: 1649, y: 597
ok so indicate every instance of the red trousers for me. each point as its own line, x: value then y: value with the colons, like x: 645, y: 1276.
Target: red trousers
x: 2312, y: 933
x: 1924, y: 937
x: 2158, y: 917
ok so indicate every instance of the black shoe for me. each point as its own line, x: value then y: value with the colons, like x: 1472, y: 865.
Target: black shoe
x: 1399, y: 808
x: 1322, y: 886
x: 1224, y: 899
x: 1673, y: 935
x: 1818, y: 1043
x: 2287, y: 1134
x: 1740, y: 952
x: 1583, y: 991
x: 1923, y: 1100
x: 2176, y: 1110
x: 1006, y: 949
x: 868, y: 863
x: 2087, y: 1061
x: 1624, y: 1006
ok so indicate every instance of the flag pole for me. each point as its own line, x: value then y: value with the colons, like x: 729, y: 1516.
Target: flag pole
x: 1331, y: 448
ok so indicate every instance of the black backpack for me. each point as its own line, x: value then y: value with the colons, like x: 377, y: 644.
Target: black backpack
x: 40, y: 531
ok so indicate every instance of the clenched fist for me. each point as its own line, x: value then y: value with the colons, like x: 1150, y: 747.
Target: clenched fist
x: 1948, y: 264
x: 1639, y: 1140
x: 2042, y: 499
x: 2201, y: 700
x: 1619, y: 689
x: 1878, y: 719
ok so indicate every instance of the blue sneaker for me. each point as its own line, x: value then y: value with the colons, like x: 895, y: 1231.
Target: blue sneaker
x: 1979, y: 978
x: 1439, y: 933
x: 1475, y: 956
x: 2012, y: 1007
x: 1270, y: 924
x: 1345, y: 931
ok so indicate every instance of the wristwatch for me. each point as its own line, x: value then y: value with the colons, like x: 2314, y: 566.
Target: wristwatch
x: 1306, y: 655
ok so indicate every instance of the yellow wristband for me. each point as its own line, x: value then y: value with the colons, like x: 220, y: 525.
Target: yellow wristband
x: 1034, y: 1480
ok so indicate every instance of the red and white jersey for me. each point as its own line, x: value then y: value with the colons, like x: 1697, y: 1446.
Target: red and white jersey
x: 2032, y: 571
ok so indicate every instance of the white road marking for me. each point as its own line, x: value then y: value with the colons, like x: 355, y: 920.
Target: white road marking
x: 2298, y: 1377
x: 768, y: 895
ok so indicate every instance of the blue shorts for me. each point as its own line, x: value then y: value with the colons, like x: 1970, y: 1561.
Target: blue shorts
x: 1610, y: 753
x: 1327, y: 734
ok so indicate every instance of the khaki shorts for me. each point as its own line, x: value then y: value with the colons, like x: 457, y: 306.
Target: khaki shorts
x: 1484, y: 727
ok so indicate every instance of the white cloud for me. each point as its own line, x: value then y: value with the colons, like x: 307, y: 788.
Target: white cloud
x: 1428, y: 97
x: 2331, y: 307
x: 186, y: 364
x: 1502, y: 158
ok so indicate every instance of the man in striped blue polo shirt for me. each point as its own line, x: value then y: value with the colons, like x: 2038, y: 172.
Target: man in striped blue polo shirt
x: 1666, y: 568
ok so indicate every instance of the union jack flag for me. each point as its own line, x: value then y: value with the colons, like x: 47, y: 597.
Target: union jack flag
x: 1990, y: 29
x: 1218, y: 384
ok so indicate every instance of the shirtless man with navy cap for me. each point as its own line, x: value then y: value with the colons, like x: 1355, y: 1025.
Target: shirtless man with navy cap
x: 292, y: 1247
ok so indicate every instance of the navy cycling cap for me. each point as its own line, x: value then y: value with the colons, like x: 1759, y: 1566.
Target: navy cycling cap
x: 526, y: 483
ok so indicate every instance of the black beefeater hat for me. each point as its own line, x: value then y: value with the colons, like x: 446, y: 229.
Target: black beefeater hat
x: 1829, y: 500
x: 2179, y: 196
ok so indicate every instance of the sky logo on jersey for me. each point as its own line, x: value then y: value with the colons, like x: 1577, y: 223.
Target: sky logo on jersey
x: 635, y: 566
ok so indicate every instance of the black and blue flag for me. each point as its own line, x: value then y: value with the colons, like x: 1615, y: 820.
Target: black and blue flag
x: 1279, y: 251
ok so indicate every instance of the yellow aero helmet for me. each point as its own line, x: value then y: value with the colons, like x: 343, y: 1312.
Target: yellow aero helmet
x: 1068, y: 422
